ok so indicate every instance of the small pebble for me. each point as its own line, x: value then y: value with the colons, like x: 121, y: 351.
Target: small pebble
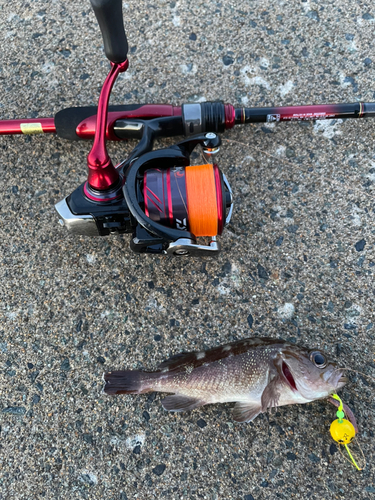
x: 262, y: 272
x: 333, y: 449
x: 159, y: 469
x: 360, y: 245
x: 14, y: 410
x: 279, y: 241
x: 201, y: 423
x: 227, y: 60
x: 250, y: 320
x: 146, y: 416
x: 314, y: 458
x: 292, y: 229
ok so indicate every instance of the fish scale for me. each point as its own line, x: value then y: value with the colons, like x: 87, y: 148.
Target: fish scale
x: 223, y: 380
x: 256, y: 373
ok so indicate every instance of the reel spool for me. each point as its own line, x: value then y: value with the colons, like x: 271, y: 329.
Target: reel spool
x: 174, y: 202
x: 192, y: 198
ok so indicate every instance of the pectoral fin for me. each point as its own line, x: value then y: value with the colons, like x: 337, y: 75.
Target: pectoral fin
x: 246, y: 412
x: 271, y: 394
x: 177, y: 402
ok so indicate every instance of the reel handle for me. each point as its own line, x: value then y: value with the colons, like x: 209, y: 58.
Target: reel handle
x: 109, y: 16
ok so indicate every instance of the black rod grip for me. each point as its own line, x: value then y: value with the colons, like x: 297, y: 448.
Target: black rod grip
x: 67, y: 120
x: 111, y: 23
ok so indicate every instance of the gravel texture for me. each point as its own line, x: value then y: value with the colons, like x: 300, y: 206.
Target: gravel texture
x: 298, y: 256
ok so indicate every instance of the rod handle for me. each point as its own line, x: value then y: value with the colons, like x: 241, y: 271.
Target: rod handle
x: 109, y: 16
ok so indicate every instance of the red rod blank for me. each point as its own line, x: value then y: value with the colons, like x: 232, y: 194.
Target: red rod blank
x: 28, y: 126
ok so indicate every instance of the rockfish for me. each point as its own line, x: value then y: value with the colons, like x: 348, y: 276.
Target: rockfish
x: 255, y: 373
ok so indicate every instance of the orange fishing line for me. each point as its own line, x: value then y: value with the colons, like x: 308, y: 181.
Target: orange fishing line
x: 201, y: 200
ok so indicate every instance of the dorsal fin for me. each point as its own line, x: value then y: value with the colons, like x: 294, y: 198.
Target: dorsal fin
x: 195, y: 359
x: 177, y: 361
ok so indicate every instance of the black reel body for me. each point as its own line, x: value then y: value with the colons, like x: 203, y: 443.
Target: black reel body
x: 163, y: 201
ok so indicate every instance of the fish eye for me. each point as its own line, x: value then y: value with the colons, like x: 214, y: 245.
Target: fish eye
x: 319, y: 360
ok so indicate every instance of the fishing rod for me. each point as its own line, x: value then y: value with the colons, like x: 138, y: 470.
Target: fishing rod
x: 157, y: 196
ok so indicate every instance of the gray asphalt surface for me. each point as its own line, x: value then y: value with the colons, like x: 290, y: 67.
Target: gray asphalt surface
x: 298, y: 256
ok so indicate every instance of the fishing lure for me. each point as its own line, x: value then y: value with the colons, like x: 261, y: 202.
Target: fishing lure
x: 343, y: 431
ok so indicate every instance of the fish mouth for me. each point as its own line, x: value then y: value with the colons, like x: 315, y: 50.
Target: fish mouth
x: 288, y: 376
x: 339, y: 379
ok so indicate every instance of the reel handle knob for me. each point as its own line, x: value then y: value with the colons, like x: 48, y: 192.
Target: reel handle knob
x: 109, y: 16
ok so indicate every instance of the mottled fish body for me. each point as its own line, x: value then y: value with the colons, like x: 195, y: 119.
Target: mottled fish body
x: 256, y: 373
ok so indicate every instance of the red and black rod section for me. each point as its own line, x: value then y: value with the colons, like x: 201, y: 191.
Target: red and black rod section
x: 80, y: 122
x: 301, y: 113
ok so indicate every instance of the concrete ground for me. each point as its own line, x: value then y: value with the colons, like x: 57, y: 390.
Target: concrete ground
x: 298, y: 256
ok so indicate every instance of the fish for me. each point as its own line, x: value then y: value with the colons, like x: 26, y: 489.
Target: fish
x: 257, y: 374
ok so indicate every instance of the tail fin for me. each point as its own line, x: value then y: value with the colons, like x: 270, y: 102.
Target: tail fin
x: 126, y: 382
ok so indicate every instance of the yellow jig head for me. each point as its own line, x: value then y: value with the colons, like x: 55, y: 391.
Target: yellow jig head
x: 342, y: 431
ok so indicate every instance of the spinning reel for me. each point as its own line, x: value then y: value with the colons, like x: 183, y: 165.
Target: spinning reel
x: 158, y: 197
